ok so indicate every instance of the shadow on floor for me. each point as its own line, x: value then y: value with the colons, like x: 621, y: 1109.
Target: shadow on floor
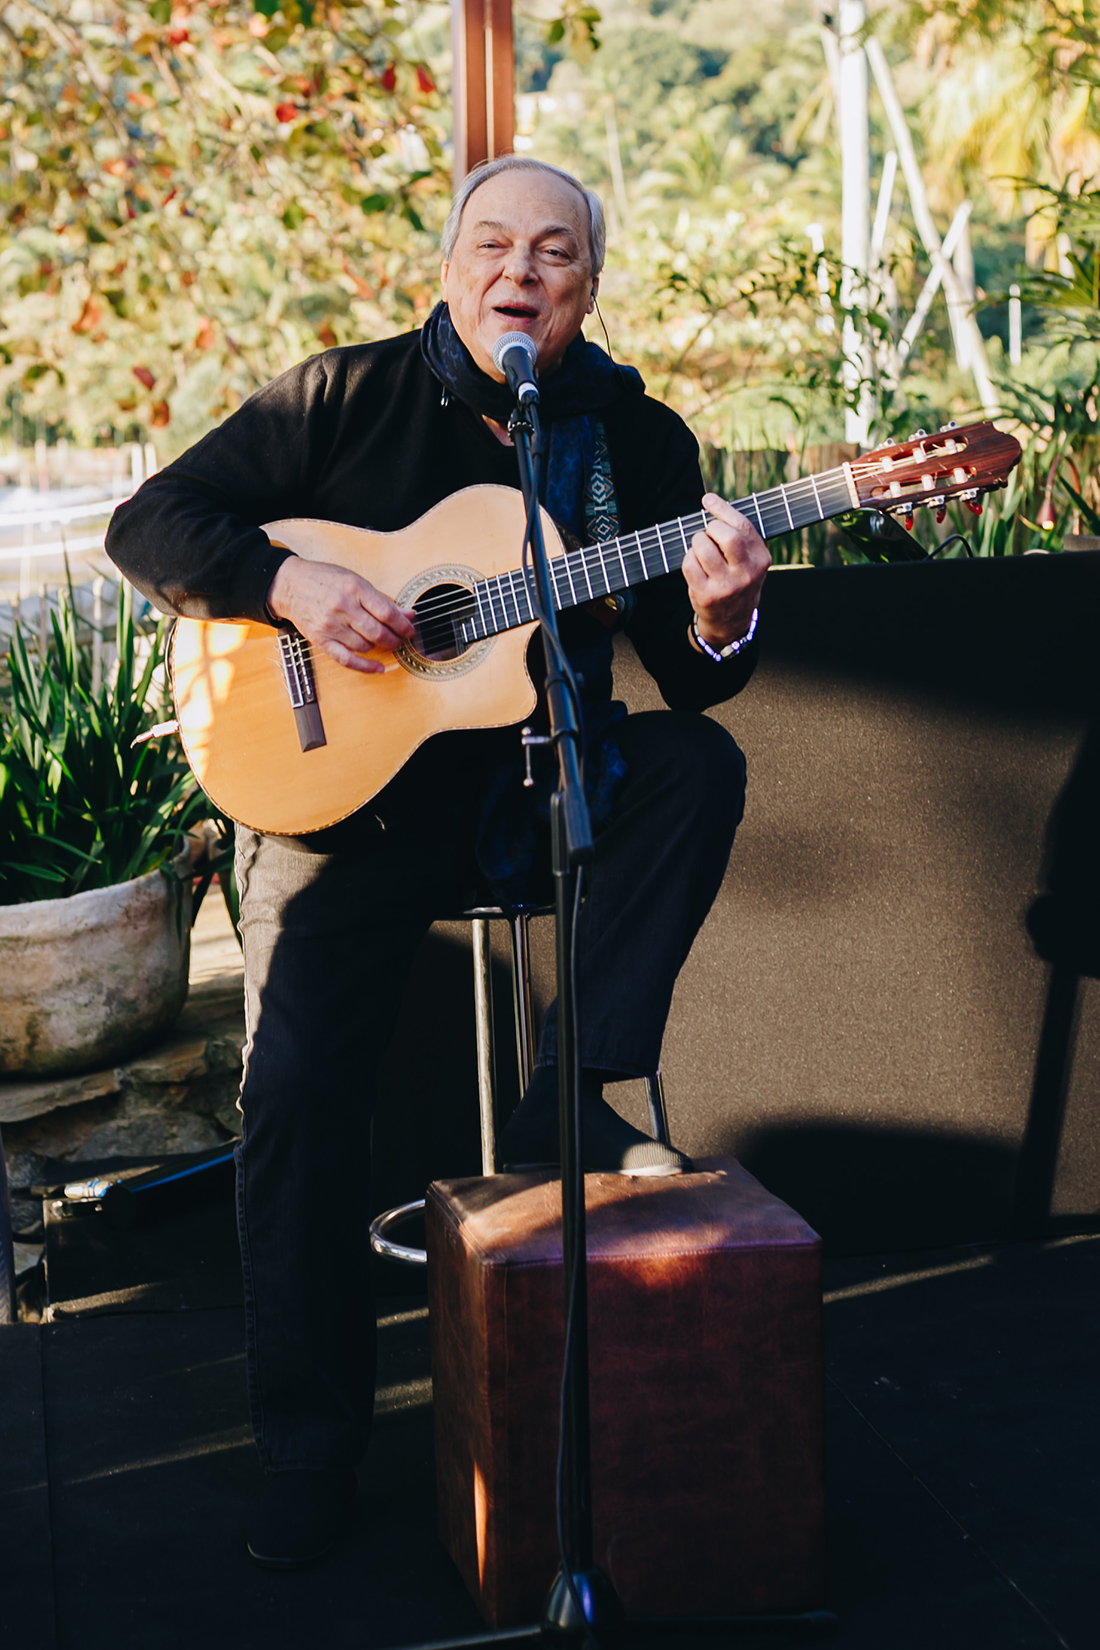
x: 962, y: 1472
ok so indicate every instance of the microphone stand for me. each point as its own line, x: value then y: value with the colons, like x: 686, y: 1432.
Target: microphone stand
x: 581, y: 1599
x: 582, y: 1606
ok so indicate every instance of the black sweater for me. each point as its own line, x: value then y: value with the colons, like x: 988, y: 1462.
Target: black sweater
x: 359, y: 435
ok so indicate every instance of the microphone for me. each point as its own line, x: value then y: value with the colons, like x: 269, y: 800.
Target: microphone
x: 514, y: 354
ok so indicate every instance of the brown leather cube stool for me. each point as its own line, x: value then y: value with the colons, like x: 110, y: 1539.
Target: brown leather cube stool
x: 707, y: 1390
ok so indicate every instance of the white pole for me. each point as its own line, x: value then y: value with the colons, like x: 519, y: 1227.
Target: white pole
x: 932, y: 284
x: 963, y: 260
x: 1015, y: 326
x: 882, y: 285
x: 855, y: 238
x: 926, y: 228
x: 882, y: 210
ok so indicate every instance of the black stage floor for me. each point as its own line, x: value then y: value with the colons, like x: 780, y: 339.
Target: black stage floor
x: 963, y: 1462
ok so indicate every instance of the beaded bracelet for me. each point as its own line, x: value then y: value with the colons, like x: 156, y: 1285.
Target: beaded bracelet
x: 731, y: 649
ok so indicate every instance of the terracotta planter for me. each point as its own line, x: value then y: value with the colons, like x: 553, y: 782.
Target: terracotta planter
x: 88, y: 980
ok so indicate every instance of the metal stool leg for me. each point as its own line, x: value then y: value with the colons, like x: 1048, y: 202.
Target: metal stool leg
x: 658, y: 1113
x: 388, y: 1222
x: 521, y: 999
x: 486, y: 1055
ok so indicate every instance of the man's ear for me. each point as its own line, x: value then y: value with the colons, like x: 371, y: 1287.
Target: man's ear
x: 595, y: 290
x: 443, y: 270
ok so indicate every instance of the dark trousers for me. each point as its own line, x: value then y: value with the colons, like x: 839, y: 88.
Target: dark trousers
x: 329, y: 939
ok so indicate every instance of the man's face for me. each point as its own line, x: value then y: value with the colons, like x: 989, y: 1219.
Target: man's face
x: 521, y: 263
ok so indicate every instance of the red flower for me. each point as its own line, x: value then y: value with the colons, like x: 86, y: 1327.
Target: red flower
x: 286, y: 112
x: 424, y: 79
x: 389, y: 79
x: 177, y: 36
x: 144, y: 376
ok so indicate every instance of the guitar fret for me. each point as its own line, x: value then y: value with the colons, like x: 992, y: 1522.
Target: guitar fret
x: 786, y: 506
x: 661, y: 548
x: 817, y: 497
x: 659, y: 562
x: 528, y: 578
x: 513, y: 575
x: 759, y: 518
x: 503, y: 623
x: 617, y: 545
x: 603, y: 582
x: 479, y: 618
x: 584, y: 569
x: 506, y: 590
x: 569, y: 576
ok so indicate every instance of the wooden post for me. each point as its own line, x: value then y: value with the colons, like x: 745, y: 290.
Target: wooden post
x: 483, y: 81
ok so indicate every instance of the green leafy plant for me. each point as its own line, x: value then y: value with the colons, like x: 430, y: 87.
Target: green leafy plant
x: 87, y: 799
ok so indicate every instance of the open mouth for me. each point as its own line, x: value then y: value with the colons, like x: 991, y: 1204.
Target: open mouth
x: 517, y: 312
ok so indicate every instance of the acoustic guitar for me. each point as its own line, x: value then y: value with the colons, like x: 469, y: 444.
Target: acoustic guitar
x: 286, y: 741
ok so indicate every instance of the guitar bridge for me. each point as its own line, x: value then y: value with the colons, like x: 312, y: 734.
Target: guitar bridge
x: 298, y: 676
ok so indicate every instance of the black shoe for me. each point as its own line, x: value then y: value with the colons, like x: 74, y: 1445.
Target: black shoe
x: 298, y: 1517
x: 611, y: 1144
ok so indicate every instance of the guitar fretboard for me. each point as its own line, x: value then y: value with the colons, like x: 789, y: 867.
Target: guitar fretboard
x: 504, y: 601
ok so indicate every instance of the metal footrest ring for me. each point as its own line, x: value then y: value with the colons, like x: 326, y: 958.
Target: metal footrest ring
x: 383, y: 1244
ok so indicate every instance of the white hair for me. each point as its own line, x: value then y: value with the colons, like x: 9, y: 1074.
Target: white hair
x: 597, y: 230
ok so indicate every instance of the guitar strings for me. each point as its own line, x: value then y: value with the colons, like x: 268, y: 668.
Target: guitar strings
x: 650, y: 545
x: 595, y: 557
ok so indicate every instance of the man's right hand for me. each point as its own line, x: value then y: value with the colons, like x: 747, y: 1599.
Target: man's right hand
x: 338, y: 612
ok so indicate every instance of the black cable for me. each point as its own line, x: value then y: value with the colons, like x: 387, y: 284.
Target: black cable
x: 950, y: 539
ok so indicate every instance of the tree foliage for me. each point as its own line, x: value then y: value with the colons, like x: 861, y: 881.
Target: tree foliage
x: 198, y: 195
x: 1013, y: 99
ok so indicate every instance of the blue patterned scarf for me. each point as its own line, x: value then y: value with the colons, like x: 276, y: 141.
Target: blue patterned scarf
x: 578, y: 491
x: 586, y: 381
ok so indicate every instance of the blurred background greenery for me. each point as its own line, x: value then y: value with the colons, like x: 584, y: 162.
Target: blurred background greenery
x: 196, y: 195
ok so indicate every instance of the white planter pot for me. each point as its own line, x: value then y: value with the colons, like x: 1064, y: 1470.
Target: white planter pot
x: 86, y: 981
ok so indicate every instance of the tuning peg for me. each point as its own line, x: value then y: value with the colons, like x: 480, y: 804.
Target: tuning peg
x: 970, y: 499
x: 950, y: 426
x: 941, y: 513
x: 905, y: 516
x: 918, y: 435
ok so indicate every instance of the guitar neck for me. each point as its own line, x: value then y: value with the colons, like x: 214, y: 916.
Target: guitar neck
x: 504, y: 602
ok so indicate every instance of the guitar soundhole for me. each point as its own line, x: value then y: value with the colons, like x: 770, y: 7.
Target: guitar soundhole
x: 440, y: 611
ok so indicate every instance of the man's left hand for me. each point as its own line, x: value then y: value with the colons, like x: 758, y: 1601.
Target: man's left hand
x: 725, y: 570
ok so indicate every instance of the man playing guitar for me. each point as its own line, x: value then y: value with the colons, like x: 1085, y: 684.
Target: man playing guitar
x: 374, y: 436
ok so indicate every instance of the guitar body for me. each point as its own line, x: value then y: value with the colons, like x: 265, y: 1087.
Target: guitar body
x: 236, y: 719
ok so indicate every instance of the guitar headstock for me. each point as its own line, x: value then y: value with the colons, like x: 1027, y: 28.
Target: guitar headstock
x: 957, y: 462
